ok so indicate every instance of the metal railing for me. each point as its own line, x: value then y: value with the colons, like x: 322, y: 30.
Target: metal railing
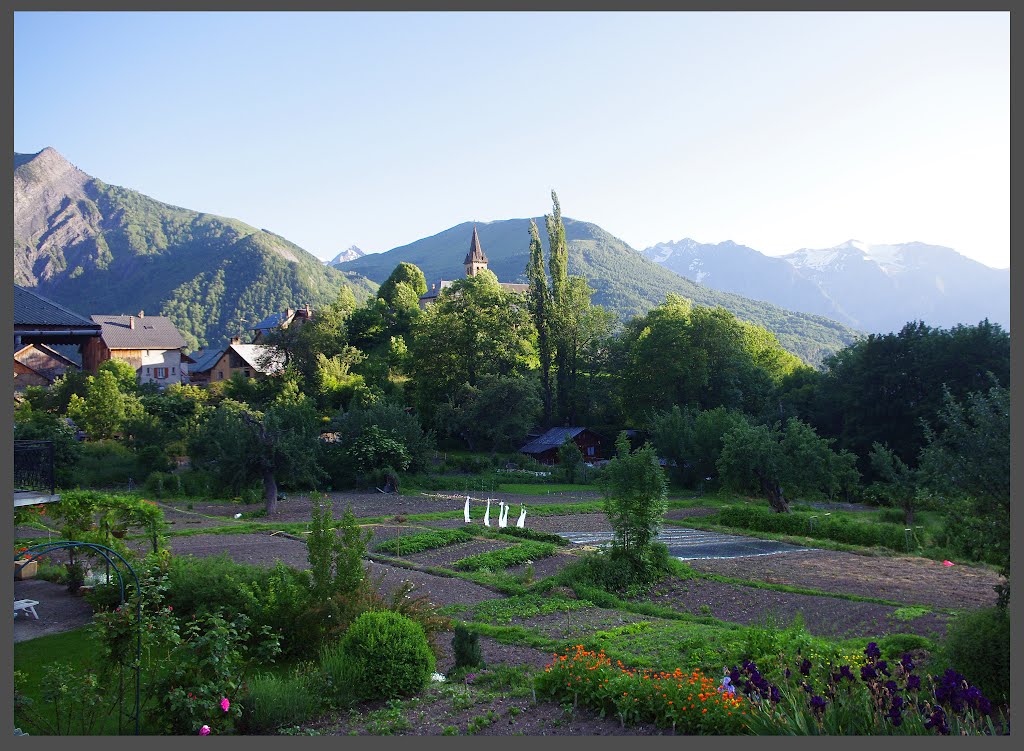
x: 33, y: 466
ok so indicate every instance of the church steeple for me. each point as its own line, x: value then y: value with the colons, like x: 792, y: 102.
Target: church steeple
x: 475, y: 261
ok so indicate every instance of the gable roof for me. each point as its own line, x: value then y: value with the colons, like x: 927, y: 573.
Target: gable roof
x: 552, y: 439
x: 139, y: 332
x: 476, y: 253
x: 32, y: 309
x: 205, y: 359
x: 274, y: 320
x: 255, y: 354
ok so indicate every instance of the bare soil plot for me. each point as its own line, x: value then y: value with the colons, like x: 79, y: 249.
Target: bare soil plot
x: 823, y: 616
x: 916, y: 581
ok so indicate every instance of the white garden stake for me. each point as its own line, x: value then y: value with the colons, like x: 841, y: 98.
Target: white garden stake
x: 487, y: 514
x: 522, y: 518
x: 465, y: 511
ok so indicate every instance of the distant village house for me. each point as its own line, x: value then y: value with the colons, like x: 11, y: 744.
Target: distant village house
x: 544, y: 448
x: 150, y: 344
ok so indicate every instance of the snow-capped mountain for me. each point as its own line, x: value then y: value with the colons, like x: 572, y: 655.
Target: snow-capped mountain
x: 875, y: 288
x: 349, y: 254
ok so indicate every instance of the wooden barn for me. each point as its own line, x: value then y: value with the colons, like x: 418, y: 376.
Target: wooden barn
x: 544, y: 448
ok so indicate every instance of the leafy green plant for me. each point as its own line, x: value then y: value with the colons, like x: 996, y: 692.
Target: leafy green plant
x: 389, y: 655
x: 506, y: 557
x: 420, y: 541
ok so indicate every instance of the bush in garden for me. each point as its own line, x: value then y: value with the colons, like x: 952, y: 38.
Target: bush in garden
x: 466, y: 647
x: 978, y: 645
x: 199, y: 683
x: 389, y: 655
x: 688, y: 703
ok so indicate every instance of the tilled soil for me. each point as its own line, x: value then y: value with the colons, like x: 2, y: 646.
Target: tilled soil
x: 916, y: 581
x: 823, y: 616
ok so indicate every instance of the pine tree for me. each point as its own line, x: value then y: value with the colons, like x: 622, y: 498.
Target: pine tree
x: 540, y: 307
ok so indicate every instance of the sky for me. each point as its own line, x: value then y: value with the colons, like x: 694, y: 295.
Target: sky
x: 774, y: 130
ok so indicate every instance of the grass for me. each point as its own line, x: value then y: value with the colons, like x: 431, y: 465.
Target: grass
x: 505, y: 609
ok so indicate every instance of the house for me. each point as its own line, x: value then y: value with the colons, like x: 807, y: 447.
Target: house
x: 545, y: 447
x: 40, y: 321
x: 475, y: 262
x: 251, y: 360
x: 202, y: 363
x: 150, y: 344
x: 290, y: 317
x: 40, y: 365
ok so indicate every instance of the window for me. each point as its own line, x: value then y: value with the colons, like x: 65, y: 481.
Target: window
x: 160, y: 372
x: 590, y: 450
x: 247, y: 374
x: 147, y: 371
x: 172, y: 371
x: 220, y: 375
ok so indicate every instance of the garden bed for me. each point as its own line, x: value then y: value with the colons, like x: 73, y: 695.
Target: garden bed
x: 915, y: 581
x: 823, y: 616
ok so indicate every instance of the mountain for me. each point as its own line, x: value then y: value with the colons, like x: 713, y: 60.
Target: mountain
x: 625, y: 281
x: 99, y: 248
x: 881, y: 287
x: 875, y: 288
x: 349, y: 254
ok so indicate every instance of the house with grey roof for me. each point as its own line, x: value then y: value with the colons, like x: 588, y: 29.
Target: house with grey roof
x: 48, y: 338
x: 248, y: 360
x: 150, y: 344
x: 544, y: 448
x: 289, y: 317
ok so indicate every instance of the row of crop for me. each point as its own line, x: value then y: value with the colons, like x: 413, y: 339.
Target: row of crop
x: 831, y: 527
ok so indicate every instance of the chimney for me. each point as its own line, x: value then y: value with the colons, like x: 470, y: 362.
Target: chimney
x: 236, y: 340
x: 131, y: 322
x: 142, y: 314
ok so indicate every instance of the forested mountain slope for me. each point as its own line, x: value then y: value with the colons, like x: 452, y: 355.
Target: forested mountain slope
x: 99, y: 248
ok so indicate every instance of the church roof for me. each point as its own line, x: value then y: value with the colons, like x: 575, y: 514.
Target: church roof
x: 476, y: 253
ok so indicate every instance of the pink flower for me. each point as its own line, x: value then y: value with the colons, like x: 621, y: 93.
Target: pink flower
x: 204, y: 730
x: 225, y: 704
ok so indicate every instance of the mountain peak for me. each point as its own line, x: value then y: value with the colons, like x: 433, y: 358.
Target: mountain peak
x: 350, y: 253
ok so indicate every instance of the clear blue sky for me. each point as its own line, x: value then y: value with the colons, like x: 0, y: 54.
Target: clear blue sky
x: 774, y: 130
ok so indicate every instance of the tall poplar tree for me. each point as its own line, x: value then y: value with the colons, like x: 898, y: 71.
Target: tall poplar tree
x: 540, y: 307
x: 558, y: 263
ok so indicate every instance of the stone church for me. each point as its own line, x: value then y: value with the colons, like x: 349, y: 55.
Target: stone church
x: 476, y: 261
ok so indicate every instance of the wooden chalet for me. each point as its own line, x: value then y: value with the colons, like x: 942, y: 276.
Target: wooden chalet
x: 545, y: 447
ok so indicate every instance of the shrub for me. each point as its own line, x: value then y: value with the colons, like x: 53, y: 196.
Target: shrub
x: 271, y: 701
x: 894, y: 646
x: 838, y: 528
x: 615, y: 571
x: 104, y: 464
x: 978, y: 645
x: 388, y: 654
x: 466, y: 647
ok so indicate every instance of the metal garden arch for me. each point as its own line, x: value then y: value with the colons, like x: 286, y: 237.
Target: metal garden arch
x: 112, y: 557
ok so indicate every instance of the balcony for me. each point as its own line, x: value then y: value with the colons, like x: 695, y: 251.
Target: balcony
x: 33, y: 473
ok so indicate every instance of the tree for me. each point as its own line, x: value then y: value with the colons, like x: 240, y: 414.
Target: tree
x: 540, y: 309
x: 752, y: 460
x: 570, y: 459
x: 883, y: 387
x: 896, y: 482
x: 475, y: 329
x: 968, y: 454
x: 404, y: 273
x: 123, y: 372
x: 495, y: 415
x: 763, y: 459
x: 635, y: 494
x: 241, y: 445
x: 105, y: 408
